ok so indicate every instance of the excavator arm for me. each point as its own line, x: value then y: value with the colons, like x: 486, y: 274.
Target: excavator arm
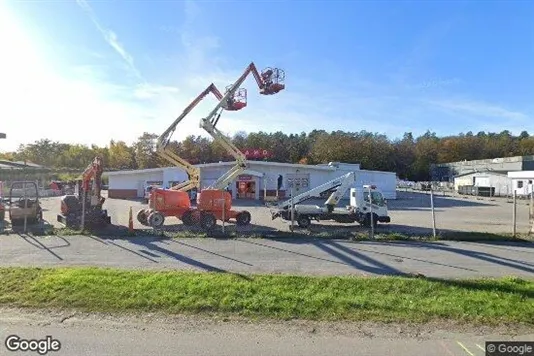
x: 93, y: 172
x: 162, y: 142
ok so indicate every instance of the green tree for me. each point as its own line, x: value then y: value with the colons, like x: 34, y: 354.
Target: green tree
x: 145, y: 151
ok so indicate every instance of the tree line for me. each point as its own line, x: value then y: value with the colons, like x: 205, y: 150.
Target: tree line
x: 410, y: 157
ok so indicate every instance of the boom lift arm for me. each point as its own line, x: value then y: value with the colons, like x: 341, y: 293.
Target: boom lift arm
x: 342, y: 184
x: 226, y: 143
x: 163, y: 141
x: 270, y: 82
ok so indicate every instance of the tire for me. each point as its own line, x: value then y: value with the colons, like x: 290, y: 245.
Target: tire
x: 142, y: 217
x: 156, y: 219
x: 303, y: 221
x: 367, y: 220
x: 243, y: 218
x: 187, y: 218
x: 207, y: 221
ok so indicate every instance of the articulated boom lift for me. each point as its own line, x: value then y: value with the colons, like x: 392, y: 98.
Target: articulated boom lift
x: 89, y: 192
x: 214, y: 202
x: 176, y: 202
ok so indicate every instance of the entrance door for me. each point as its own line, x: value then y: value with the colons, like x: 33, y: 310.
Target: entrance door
x: 246, y: 189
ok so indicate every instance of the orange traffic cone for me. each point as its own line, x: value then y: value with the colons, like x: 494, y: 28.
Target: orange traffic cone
x: 130, y: 221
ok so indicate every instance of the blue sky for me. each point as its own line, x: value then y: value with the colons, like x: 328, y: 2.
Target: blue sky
x: 89, y: 72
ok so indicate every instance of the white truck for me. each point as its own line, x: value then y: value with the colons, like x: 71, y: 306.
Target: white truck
x: 360, y: 209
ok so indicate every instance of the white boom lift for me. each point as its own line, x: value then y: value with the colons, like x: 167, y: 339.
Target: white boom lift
x: 358, y: 211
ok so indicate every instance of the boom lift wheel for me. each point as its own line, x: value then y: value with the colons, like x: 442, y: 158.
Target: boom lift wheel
x: 156, y: 219
x: 207, y: 221
x: 367, y: 220
x: 187, y: 218
x: 243, y: 218
x: 303, y: 221
x: 142, y: 217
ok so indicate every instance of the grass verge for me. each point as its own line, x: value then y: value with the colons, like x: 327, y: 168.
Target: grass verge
x: 333, y: 233
x: 400, y: 299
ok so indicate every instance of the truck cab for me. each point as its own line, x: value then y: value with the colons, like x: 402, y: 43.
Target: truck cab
x: 377, y: 205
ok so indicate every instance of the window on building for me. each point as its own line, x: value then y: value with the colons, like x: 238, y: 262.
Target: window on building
x: 520, y: 184
x: 530, y: 181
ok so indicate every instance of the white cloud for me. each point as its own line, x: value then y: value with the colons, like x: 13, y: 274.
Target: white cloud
x: 110, y: 37
x: 482, y: 109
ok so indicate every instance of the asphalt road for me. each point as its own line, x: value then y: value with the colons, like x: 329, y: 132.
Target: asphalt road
x: 287, y: 256
x: 100, y: 335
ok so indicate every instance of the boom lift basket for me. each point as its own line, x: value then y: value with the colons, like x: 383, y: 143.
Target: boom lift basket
x: 238, y: 101
x: 274, y: 80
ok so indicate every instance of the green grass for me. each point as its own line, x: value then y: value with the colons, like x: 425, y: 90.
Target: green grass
x: 400, y: 299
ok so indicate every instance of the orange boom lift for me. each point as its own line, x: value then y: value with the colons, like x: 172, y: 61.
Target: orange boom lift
x: 176, y: 201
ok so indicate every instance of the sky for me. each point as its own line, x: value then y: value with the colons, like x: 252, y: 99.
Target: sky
x: 93, y: 71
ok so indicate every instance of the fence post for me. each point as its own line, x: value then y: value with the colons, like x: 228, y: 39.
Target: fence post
x: 25, y: 206
x: 223, y: 210
x: 531, y: 210
x: 371, y: 212
x: 514, y: 214
x: 292, y: 208
x: 433, y: 212
x: 84, y: 198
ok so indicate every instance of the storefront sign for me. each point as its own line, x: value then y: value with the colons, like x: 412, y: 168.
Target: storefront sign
x: 245, y: 177
x: 257, y: 153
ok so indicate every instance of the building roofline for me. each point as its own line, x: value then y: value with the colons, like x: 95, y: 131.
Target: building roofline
x: 130, y: 171
x: 266, y: 163
x: 231, y: 163
x: 513, y: 159
x: 521, y: 174
x: 497, y: 173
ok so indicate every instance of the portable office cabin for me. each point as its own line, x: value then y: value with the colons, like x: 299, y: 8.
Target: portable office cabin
x: 522, y: 182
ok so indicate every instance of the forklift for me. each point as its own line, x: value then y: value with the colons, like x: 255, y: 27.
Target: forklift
x: 25, y: 210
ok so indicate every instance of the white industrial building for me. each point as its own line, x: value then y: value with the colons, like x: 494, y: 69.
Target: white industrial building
x: 500, y: 183
x: 522, y: 182
x: 259, y: 181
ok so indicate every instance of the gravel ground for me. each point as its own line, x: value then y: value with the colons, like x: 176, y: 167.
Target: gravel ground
x: 410, y: 213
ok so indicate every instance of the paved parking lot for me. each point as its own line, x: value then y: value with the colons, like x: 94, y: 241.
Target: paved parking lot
x: 410, y: 213
x: 286, y: 256
x: 300, y: 255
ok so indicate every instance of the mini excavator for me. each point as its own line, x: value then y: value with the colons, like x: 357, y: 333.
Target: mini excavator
x: 74, y: 213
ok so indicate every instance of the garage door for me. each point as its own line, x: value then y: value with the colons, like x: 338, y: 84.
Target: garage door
x: 300, y: 182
